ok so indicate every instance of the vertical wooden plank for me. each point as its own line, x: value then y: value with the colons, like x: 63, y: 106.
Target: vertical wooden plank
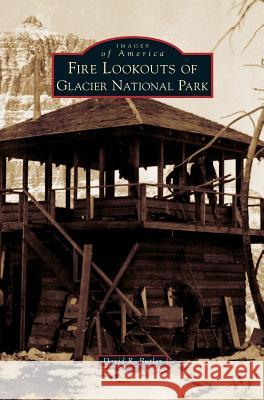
x: 75, y: 177
x: 53, y: 203
x: 239, y: 176
x: 134, y: 165
x: 160, y: 168
x: 202, y: 209
x: 123, y: 322
x: 234, y: 210
x: 110, y: 180
x: 23, y: 289
x: 144, y: 300
x: 88, y: 192
x: 98, y: 333
x: 119, y: 275
x: 48, y: 178
x: 232, y: 322
x: 221, y: 174
x: 83, y: 303
x: 67, y: 186
x: 25, y: 173
x: 182, y: 169
x: 142, y: 203
x: 101, y: 171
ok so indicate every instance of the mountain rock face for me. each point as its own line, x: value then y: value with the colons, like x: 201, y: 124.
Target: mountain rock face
x: 17, y: 50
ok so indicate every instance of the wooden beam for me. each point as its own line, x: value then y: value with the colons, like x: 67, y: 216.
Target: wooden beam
x: 123, y: 321
x: 98, y: 333
x: 119, y: 275
x: 133, y: 164
x: 48, y: 258
x: 23, y: 285
x: 68, y: 185
x: 182, y: 169
x: 221, y: 174
x: 239, y: 173
x: 48, y: 177
x: 83, y: 303
x: 25, y: 173
x: 232, y: 322
x: 161, y: 168
x: 88, y: 193
x: 75, y: 177
x: 110, y: 180
x: 101, y: 171
x: 239, y: 176
x: 142, y: 207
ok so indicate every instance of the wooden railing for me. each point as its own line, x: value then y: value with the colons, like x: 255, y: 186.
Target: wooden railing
x: 140, y: 195
x: 142, y: 198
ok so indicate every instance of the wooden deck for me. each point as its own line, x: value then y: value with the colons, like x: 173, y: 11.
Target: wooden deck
x: 127, y: 213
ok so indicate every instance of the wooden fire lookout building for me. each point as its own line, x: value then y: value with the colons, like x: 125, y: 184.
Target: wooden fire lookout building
x: 134, y: 225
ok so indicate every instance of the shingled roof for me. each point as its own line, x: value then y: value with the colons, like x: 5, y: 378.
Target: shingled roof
x: 95, y: 114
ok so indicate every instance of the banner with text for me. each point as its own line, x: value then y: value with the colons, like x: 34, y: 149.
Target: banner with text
x: 132, y: 67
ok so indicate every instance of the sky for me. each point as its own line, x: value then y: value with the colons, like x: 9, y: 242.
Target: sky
x: 191, y: 25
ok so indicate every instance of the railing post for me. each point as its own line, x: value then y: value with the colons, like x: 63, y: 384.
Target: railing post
x: 123, y: 322
x: 88, y: 193
x: 142, y: 203
x: 83, y: 303
x: 262, y: 213
x: 98, y: 333
x: 234, y: 206
x: 20, y: 206
x: 23, y: 286
x: 52, y: 206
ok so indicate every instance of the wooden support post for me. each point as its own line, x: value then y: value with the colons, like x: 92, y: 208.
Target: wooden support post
x: 98, y: 333
x: 183, y: 168
x: 53, y: 203
x: 83, y: 303
x: 142, y: 203
x: 75, y: 265
x: 68, y: 185
x: 25, y: 173
x: 48, y: 179
x: 101, y: 172
x: 221, y: 182
x: 75, y: 177
x: 161, y: 168
x: 144, y: 300
x: 239, y: 176
x: 20, y: 206
x: 134, y: 165
x: 88, y: 193
x: 123, y: 322
x: 234, y: 210
x: 232, y: 322
x: 119, y: 275
x: 23, y: 286
x: 110, y: 180
x: 262, y: 214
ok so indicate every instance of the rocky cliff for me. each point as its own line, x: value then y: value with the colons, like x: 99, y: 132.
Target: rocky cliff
x: 17, y: 49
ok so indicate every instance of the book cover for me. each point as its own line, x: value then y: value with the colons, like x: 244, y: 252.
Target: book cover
x: 131, y: 199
